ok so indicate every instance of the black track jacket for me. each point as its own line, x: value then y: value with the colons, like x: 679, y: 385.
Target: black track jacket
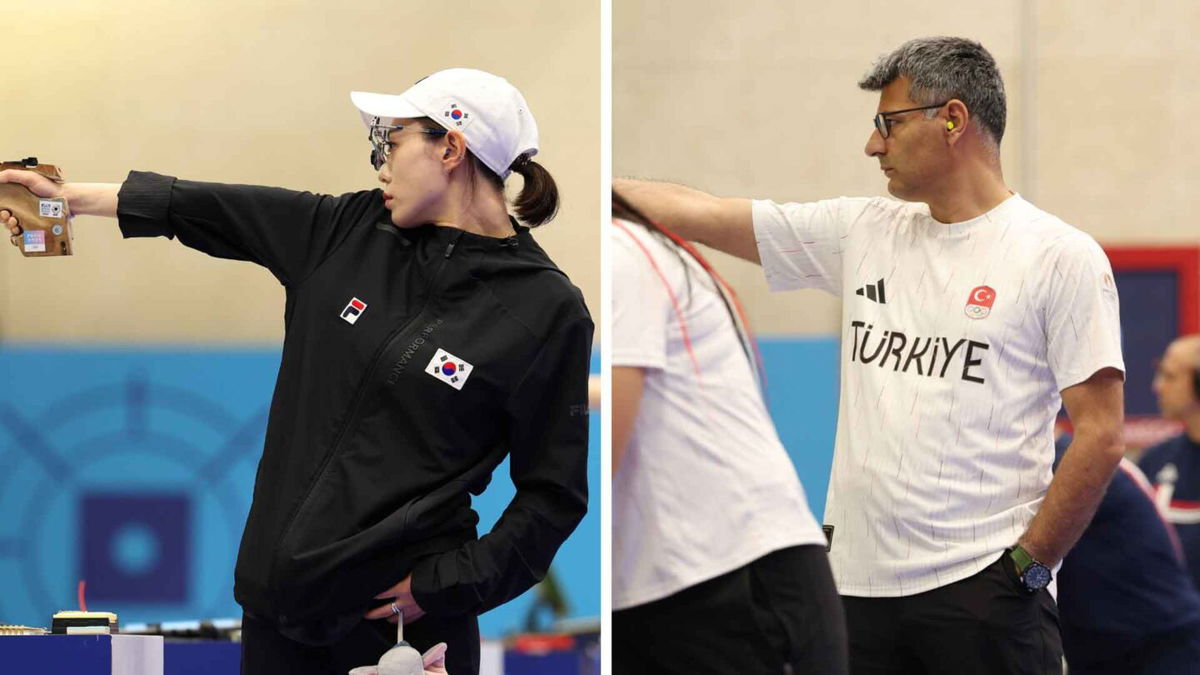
x: 370, y: 456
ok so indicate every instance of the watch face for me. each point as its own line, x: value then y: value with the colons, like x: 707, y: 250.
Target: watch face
x: 1036, y: 577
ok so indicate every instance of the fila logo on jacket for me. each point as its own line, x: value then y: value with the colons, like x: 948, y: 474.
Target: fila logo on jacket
x: 353, y: 310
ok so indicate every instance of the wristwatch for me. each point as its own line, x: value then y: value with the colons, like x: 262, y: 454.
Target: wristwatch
x: 1034, y: 576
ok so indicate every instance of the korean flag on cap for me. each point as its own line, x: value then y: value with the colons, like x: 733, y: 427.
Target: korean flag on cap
x: 449, y: 369
x: 454, y: 116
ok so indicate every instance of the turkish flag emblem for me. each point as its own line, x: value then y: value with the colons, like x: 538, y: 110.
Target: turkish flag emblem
x: 979, y: 303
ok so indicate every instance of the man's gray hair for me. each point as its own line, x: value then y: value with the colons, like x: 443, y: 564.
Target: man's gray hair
x: 942, y: 68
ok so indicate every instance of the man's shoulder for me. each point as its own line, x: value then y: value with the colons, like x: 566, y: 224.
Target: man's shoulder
x: 850, y: 208
x: 883, y: 207
x: 1051, y: 231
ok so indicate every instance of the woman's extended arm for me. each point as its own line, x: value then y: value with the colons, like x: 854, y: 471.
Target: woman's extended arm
x: 89, y: 199
x: 289, y: 232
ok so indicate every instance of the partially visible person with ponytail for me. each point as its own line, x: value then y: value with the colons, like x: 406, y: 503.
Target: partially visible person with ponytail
x: 718, y: 565
x: 428, y: 337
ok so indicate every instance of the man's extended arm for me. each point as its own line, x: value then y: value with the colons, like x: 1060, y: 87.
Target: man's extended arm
x: 721, y: 223
x: 1097, y: 410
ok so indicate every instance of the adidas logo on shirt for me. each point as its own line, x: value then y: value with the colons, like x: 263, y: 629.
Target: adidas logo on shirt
x: 874, y: 292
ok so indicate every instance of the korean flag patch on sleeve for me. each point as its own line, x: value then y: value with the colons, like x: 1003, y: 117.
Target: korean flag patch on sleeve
x: 449, y: 369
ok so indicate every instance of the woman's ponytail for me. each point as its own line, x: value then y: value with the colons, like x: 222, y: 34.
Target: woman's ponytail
x: 538, y: 202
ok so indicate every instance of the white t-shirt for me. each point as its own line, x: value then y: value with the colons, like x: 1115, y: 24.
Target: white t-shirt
x: 956, y: 341
x: 705, y: 486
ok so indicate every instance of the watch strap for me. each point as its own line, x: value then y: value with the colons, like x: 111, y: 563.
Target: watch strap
x: 1021, y: 558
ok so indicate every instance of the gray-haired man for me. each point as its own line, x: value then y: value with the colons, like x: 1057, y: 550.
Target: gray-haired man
x: 969, y: 315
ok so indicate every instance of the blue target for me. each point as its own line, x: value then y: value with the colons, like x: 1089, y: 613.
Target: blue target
x: 136, y: 547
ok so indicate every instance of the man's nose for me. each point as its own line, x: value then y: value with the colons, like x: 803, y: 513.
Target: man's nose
x: 875, y: 144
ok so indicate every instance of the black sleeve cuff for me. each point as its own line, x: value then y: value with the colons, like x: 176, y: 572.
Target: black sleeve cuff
x: 433, y: 593
x: 143, y: 203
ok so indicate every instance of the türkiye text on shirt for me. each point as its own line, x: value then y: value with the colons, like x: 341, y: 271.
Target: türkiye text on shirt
x: 875, y: 348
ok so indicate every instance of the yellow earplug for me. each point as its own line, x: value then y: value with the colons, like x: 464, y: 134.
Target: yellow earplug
x: 949, y: 125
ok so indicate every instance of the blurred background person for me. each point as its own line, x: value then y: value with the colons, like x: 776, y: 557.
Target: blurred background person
x: 1126, y: 602
x: 1173, y: 466
x: 718, y: 564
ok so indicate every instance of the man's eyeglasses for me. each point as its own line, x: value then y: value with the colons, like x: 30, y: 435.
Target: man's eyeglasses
x: 881, y: 119
x: 381, y: 145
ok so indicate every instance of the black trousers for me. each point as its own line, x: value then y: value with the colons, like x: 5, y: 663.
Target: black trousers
x: 780, y: 612
x: 266, y: 652
x: 982, y: 624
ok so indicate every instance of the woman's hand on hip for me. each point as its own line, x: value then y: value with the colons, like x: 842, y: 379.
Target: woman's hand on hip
x: 401, y: 596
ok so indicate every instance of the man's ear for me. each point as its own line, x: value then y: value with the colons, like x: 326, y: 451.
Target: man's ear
x: 957, y: 117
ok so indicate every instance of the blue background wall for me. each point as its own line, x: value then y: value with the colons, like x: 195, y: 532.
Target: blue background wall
x: 134, y: 469
x: 802, y: 395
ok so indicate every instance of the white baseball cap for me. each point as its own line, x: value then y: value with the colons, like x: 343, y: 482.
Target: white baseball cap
x: 489, y: 111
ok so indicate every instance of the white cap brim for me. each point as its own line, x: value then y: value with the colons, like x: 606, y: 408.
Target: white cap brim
x: 372, y: 105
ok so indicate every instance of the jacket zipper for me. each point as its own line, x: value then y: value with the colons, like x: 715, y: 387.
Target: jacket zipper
x: 357, y: 402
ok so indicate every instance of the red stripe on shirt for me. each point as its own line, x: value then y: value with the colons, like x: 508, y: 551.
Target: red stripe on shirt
x: 687, y: 340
